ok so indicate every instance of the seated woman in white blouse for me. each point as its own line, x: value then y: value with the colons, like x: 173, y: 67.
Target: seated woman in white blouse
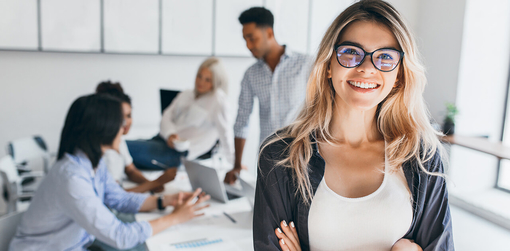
x: 200, y: 116
x: 71, y: 206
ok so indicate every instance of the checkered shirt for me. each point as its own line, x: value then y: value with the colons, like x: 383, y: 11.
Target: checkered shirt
x: 281, y: 93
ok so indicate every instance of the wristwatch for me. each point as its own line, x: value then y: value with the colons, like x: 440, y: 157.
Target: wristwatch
x: 160, y: 203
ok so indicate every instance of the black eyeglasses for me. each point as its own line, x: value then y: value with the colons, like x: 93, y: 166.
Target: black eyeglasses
x: 384, y: 59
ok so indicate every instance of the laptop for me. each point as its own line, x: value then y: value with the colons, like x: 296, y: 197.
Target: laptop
x: 211, y: 183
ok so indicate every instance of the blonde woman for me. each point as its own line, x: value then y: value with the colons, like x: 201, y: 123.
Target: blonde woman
x: 199, y: 116
x: 360, y: 168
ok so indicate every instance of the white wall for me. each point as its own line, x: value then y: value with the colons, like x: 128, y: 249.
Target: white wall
x: 439, y: 35
x: 484, y: 68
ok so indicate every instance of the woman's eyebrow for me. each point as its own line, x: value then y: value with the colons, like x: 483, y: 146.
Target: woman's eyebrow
x: 361, y: 46
x: 352, y: 43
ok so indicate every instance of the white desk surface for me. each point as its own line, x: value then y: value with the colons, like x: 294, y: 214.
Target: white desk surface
x: 214, y: 225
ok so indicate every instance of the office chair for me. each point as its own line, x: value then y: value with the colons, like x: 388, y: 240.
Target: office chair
x: 12, y: 183
x: 166, y: 98
x: 27, y: 151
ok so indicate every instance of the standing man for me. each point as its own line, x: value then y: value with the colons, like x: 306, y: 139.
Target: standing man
x: 278, y: 79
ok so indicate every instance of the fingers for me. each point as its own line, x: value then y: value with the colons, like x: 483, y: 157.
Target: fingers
x: 195, y: 194
x: 180, y: 198
x: 233, y: 178
x: 283, y: 245
x: 284, y: 241
x: 202, y: 199
x: 202, y: 207
x: 289, y: 233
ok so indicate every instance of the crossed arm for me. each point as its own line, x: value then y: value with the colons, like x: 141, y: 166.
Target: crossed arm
x: 289, y: 240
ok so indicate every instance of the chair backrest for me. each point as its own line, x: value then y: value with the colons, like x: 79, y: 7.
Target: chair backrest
x: 8, y: 166
x: 8, y: 225
x: 166, y: 98
x: 10, y: 184
x: 29, y: 149
x: 4, y: 194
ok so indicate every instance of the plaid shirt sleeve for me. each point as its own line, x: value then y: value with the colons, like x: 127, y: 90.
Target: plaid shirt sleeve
x: 245, y: 108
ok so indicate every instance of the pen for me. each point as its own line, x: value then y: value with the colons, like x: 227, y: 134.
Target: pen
x: 230, y: 217
x: 157, y: 163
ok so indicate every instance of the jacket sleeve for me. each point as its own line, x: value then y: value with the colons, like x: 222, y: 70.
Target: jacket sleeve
x: 435, y: 229
x: 272, y: 201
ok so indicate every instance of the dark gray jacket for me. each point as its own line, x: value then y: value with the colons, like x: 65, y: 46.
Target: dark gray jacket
x: 276, y: 200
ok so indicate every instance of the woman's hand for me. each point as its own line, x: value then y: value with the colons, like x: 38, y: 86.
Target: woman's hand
x: 170, y: 140
x: 185, y: 209
x: 406, y: 245
x: 172, y: 199
x: 287, y: 234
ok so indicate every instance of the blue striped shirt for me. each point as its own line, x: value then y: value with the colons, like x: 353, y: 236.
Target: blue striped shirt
x: 70, y: 210
x: 280, y: 93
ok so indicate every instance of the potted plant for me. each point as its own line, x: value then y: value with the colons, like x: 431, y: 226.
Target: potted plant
x: 449, y: 120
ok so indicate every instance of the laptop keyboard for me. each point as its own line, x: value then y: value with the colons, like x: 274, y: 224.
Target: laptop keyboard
x: 231, y: 196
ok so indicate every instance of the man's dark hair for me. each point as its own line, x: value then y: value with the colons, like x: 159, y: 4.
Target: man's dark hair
x: 258, y: 15
x: 113, y: 89
x: 92, y: 121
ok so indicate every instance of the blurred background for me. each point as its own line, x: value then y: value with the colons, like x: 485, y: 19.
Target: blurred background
x: 52, y: 51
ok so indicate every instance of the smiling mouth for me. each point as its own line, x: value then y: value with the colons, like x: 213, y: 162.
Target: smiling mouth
x: 363, y: 85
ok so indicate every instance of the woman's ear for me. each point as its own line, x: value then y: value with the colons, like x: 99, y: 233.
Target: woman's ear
x: 329, y: 71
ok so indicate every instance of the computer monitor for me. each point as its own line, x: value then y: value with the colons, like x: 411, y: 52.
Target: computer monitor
x: 166, y: 98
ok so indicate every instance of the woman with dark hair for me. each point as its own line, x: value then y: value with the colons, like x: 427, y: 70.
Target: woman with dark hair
x: 120, y: 163
x: 71, y: 206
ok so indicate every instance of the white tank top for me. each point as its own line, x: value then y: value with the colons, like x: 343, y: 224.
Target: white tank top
x: 373, y: 222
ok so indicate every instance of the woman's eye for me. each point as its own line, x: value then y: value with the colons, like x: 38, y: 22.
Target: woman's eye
x: 350, y: 51
x: 385, y: 56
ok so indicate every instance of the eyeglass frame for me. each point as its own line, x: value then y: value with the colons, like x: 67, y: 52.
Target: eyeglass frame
x: 401, y: 53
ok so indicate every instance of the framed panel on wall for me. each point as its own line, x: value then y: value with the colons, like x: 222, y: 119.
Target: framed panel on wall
x: 131, y: 26
x: 18, y: 25
x: 71, y: 25
x: 229, y: 37
x: 187, y: 29
x: 291, y: 22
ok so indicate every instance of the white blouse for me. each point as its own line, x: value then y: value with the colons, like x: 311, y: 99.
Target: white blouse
x: 202, y: 121
x: 373, y: 222
x: 116, y: 162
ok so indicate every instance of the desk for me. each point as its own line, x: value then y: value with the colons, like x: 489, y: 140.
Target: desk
x: 213, y: 226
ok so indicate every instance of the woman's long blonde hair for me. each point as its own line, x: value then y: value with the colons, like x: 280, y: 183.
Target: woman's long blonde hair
x: 402, y: 117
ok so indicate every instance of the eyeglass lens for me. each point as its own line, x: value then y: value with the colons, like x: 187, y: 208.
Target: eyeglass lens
x: 383, y: 59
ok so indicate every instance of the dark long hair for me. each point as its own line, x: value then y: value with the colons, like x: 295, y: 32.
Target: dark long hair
x: 92, y: 121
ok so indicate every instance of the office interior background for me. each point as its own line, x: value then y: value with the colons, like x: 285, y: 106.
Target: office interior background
x: 52, y: 51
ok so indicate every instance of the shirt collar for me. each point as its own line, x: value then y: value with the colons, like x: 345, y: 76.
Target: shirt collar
x: 288, y: 52
x: 80, y: 157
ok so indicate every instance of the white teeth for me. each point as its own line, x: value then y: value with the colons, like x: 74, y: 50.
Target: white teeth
x: 362, y: 84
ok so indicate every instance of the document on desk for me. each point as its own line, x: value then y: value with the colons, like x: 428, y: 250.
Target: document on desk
x: 213, y: 232
x: 204, y: 244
